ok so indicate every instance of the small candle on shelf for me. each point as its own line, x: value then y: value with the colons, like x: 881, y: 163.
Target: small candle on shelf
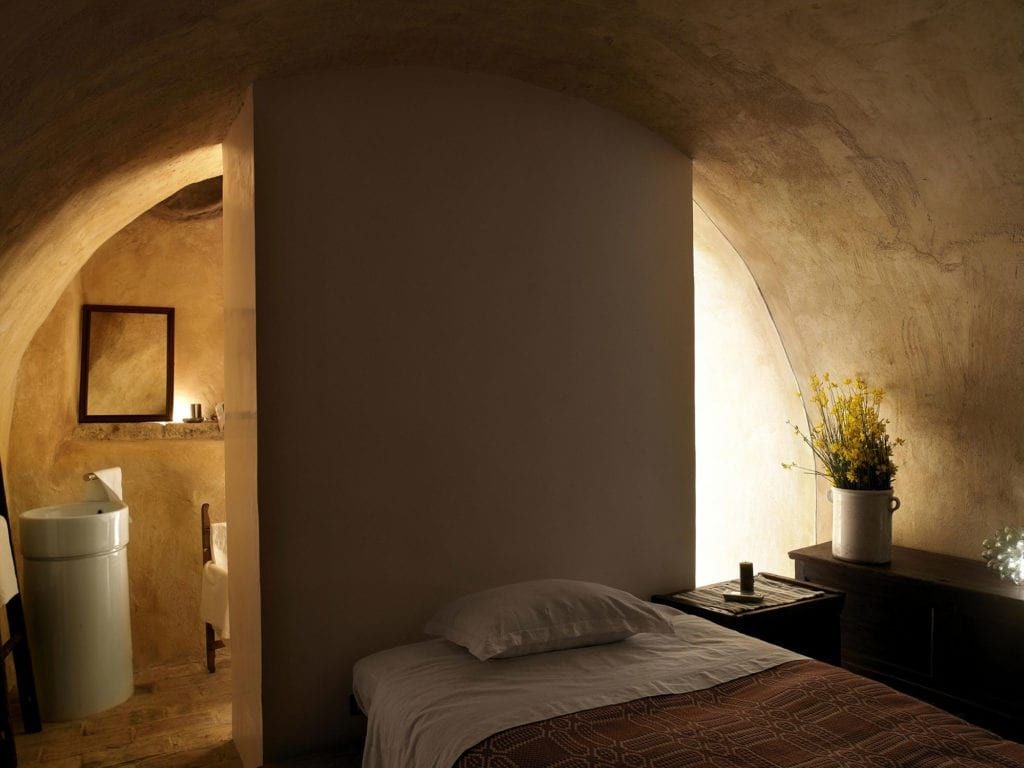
x: 746, y: 577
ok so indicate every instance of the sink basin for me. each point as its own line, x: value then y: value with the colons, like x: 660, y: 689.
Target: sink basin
x: 77, y: 604
x: 74, y: 530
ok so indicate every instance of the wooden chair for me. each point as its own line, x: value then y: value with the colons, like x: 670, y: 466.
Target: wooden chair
x: 16, y: 645
x: 212, y: 643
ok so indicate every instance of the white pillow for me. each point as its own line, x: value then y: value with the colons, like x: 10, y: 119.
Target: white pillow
x: 546, y: 615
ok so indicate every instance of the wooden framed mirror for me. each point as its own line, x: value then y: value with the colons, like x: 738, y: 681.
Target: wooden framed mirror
x: 127, y: 371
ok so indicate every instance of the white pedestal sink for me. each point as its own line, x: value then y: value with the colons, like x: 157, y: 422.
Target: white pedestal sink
x: 75, y: 585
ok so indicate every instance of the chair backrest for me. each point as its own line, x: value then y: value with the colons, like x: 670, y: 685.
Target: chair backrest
x: 204, y: 514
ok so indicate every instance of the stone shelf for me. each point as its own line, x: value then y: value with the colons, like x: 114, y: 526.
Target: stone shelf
x: 149, y: 430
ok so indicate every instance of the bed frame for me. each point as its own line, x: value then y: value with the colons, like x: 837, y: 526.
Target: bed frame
x: 212, y: 643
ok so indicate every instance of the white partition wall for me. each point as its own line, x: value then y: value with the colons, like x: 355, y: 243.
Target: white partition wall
x: 240, y: 438
x: 474, y: 332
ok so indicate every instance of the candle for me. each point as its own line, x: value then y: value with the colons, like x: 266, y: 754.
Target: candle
x: 746, y: 577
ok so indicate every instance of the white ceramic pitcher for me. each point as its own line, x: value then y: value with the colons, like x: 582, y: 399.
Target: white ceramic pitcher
x: 862, y: 524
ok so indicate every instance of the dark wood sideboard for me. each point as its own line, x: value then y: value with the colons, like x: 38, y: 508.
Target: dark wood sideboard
x: 942, y: 628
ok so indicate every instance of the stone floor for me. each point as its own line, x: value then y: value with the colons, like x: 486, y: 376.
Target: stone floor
x: 179, y: 717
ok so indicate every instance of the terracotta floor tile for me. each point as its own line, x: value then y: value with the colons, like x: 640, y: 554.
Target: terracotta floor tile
x: 179, y: 717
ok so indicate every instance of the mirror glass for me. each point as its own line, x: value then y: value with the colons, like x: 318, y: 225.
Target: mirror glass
x: 127, y: 371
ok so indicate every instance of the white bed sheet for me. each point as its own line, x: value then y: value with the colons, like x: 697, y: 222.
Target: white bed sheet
x: 429, y: 702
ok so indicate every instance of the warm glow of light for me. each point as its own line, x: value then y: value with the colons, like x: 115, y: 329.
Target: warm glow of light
x: 748, y: 507
x: 183, y: 405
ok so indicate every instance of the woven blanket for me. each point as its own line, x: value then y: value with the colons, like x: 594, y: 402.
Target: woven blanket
x: 774, y: 593
x: 804, y: 714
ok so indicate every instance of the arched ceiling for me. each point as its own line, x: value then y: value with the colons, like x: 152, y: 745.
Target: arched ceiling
x: 865, y: 157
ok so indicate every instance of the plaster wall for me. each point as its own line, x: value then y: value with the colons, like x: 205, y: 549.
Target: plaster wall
x: 240, y: 458
x: 157, y: 263
x: 887, y: 240
x: 748, y: 507
x: 864, y: 158
x: 474, y: 327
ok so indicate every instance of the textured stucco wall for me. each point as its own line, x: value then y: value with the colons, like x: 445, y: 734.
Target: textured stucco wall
x: 865, y: 159
x: 748, y: 506
x: 151, y: 262
x: 880, y: 211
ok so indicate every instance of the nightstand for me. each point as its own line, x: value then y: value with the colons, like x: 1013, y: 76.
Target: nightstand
x: 809, y: 626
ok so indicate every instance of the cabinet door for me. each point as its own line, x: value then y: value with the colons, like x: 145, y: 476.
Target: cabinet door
x: 887, y: 626
x: 980, y: 652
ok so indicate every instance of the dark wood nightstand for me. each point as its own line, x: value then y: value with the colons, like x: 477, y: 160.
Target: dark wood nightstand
x: 809, y: 626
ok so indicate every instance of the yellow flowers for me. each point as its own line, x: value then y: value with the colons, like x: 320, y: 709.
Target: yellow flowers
x: 850, y: 439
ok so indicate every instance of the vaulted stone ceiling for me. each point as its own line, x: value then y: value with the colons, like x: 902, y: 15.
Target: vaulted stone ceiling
x: 865, y: 157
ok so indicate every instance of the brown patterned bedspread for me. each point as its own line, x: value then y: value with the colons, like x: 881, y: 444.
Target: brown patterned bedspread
x: 802, y: 714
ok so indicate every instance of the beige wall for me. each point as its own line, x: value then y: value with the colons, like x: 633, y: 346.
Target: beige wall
x: 866, y: 165
x: 475, y: 362
x: 748, y: 507
x: 157, y: 263
x: 240, y: 444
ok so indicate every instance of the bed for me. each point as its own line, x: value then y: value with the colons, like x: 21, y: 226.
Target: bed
x: 695, y: 694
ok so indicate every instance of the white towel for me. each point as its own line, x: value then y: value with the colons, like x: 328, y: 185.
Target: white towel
x: 219, y: 544
x: 213, y: 602
x: 8, y: 580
